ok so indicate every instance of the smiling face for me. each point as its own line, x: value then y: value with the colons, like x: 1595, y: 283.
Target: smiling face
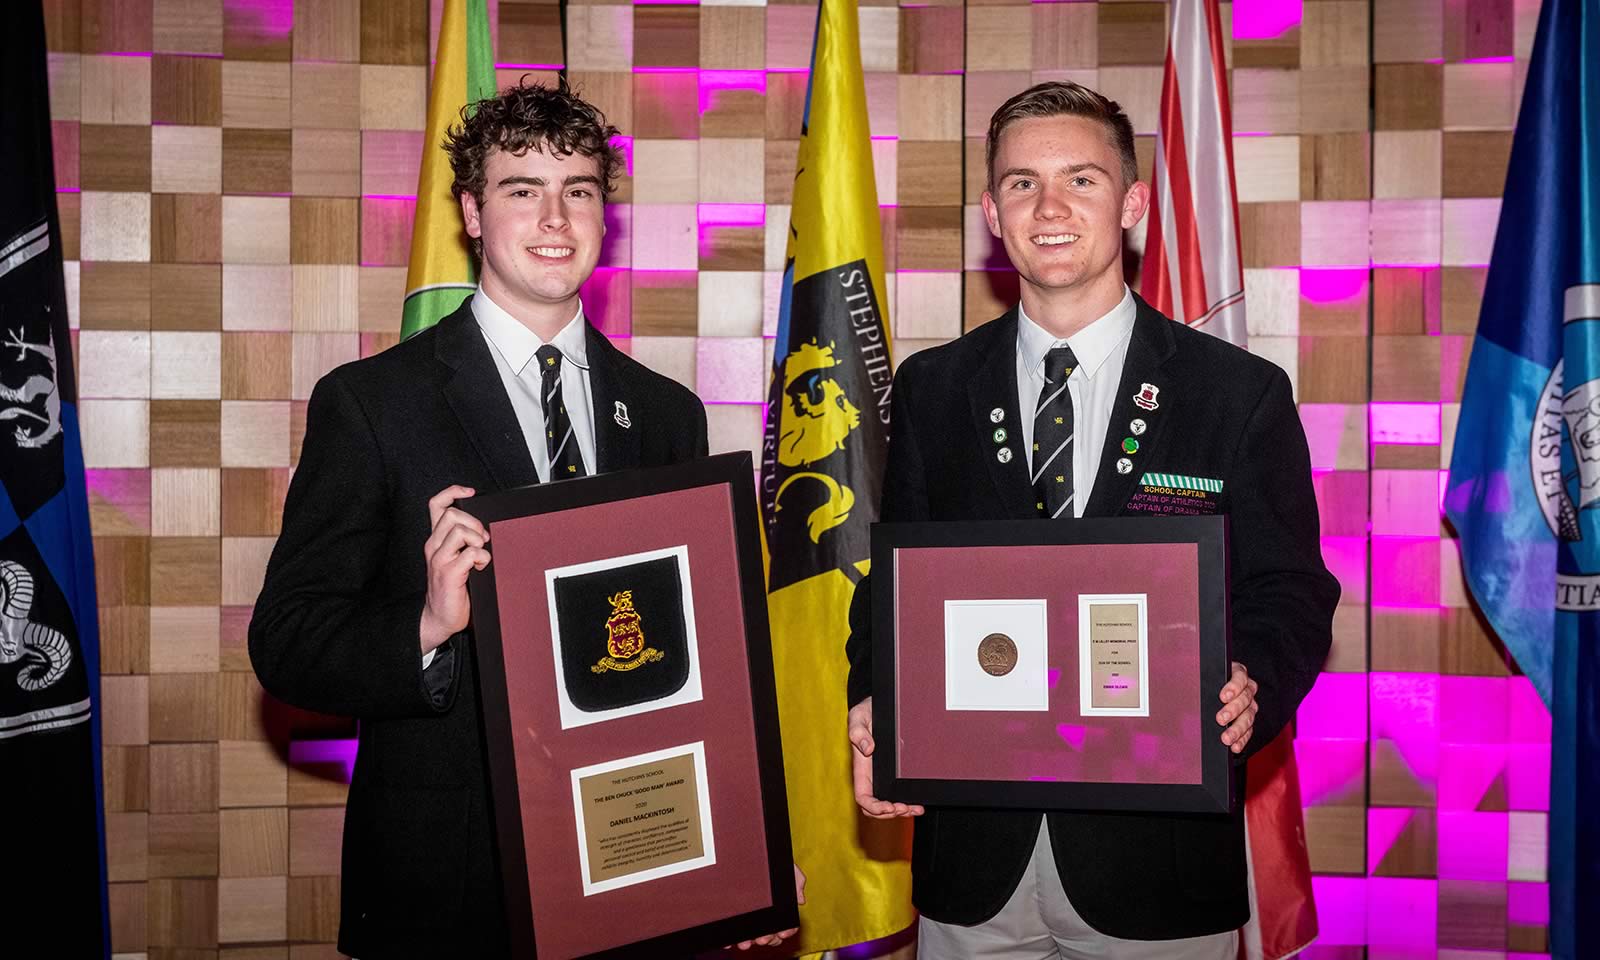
x: 541, y: 222
x: 1059, y: 205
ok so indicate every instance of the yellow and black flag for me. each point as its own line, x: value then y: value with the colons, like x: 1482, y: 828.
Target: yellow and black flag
x: 827, y: 433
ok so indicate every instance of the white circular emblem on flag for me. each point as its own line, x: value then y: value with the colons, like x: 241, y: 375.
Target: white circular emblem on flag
x: 1570, y: 417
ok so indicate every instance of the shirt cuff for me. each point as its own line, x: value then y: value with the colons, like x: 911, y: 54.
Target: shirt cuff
x: 437, y: 680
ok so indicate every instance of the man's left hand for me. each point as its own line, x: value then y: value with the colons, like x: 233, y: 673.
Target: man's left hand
x: 1239, y: 708
x: 773, y: 939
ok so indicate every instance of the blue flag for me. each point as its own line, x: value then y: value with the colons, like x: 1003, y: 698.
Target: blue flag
x: 1524, y: 490
x: 49, y: 651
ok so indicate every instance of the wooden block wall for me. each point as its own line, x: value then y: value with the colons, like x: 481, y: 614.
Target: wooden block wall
x: 236, y: 196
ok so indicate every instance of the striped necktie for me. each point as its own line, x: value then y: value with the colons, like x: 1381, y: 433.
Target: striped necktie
x: 1052, y: 437
x: 565, y: 460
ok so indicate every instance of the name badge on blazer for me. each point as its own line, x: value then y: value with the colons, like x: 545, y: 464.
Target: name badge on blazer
x: 1175, y: 495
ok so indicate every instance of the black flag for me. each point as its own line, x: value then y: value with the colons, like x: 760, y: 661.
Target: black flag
x: 49, y: 647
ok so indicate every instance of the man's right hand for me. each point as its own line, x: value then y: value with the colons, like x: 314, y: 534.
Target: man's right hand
x: 454, y: 549
x: 860, y: 729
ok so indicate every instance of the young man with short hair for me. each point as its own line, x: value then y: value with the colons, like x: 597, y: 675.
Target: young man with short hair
x: 1078, y: 369
x: 364, y: 612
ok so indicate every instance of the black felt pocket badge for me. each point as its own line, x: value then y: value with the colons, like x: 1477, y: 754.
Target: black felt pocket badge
x: 624, y: 639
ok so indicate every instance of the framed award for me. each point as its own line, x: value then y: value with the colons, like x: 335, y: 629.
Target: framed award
x: 630, y: 713
x: 1051, y: 665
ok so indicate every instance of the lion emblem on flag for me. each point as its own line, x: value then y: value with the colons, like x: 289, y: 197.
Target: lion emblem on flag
x: 819, y: 417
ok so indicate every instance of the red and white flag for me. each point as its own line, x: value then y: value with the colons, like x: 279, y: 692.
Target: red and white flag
x: 1193, y: 272
x: 1283, y: 914
x: 1192, y: 268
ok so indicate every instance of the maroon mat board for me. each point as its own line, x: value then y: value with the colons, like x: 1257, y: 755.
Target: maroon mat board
x: 1057, y: 744
x: 567, y: 923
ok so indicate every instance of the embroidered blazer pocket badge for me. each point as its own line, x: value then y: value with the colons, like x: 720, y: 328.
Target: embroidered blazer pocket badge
x: 1175, y: 495
x: 623, y: 637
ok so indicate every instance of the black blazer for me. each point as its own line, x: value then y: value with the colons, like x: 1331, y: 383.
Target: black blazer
x: 335, y: 627
x: 1222, y: 414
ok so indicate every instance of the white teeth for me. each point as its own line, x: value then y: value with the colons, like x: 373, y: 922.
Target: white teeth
x: 553, y: 251
x: 1055, y: 240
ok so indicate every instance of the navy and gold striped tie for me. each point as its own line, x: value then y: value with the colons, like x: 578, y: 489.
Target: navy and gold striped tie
x: 565, y: 459
x: 1052, y: 437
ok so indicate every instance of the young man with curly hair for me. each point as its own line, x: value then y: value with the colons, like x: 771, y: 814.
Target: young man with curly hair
x: 364, y: 612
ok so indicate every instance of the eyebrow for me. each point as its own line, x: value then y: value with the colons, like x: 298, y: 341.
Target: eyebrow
x: 1074, y: 169
x: 542, y: 182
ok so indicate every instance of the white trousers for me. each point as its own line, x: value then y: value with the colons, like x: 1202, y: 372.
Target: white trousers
x: 1039, y: 923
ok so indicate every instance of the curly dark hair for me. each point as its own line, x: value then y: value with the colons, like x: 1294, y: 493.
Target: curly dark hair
x: 526, y: 117
x: 1062, y: 98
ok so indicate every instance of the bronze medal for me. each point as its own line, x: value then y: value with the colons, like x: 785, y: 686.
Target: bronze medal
x: 997, y: 655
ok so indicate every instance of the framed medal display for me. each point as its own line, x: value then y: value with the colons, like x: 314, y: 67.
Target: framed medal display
x: 630, y: 714
x: 1051, y: 665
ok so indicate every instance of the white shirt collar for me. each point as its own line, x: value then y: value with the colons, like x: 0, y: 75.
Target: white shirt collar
x: 517, y: 344
x: 1091, y: 345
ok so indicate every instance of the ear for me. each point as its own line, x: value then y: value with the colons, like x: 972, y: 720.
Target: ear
x: 470, y: 215
x: 991, y: 214
x: 1134, y: 203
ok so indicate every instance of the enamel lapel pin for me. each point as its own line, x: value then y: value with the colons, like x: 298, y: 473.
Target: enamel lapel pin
x: 1145, y: 399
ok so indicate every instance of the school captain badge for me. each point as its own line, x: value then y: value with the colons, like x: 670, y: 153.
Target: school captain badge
x: 625, y: 641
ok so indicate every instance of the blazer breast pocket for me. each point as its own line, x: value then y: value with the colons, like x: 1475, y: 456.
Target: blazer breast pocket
x: 623, y: 634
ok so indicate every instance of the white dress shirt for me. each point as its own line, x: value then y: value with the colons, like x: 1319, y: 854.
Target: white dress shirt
x: 512, y: 345
x: 1100, y: 349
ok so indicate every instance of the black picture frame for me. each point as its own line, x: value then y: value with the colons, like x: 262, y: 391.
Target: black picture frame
x: 736, y: 471
x: 1213, y: 795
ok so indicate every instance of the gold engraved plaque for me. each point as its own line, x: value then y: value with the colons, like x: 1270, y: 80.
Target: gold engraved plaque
x: 1115, y: 674
x: 641, y: 821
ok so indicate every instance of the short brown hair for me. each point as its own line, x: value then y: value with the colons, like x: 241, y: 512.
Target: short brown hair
x: 1057, y: 98
x: 526, y: 117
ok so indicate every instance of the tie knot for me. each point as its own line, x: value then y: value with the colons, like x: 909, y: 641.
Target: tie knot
x: 1059, y: 364
x: 549, y: 358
